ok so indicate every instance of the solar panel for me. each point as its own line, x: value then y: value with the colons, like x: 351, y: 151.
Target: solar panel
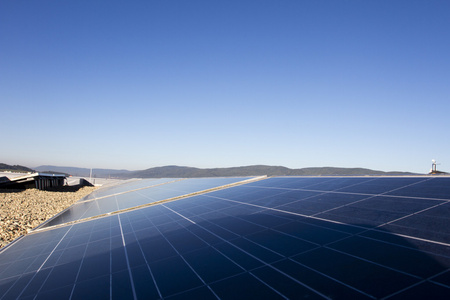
x: 135, y: 194
x: 282, y: 237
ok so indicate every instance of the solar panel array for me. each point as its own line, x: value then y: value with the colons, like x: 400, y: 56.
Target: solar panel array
x: 281, y: 237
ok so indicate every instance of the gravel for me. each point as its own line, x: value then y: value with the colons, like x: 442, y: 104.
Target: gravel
x: 23, y: 210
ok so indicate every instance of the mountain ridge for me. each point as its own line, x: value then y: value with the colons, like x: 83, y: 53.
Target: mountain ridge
x: 15, y: 168
x: 173, y: 171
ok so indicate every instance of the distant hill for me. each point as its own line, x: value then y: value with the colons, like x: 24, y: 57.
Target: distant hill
x: 187, y: 172
x: 82, y: 172
x: 15, y: 168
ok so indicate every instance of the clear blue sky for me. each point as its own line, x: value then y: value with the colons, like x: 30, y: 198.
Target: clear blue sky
x: 138, y: 84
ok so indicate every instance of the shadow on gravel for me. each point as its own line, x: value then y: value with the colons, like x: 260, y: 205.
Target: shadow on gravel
x: 5, y: 191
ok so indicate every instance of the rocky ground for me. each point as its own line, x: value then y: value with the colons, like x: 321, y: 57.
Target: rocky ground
x: 22, y: 210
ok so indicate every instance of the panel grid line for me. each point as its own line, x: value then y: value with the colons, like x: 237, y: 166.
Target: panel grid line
x: 430, y: 279
x: 266, y: 284
x: 402, y: 290
x: 126, y: 257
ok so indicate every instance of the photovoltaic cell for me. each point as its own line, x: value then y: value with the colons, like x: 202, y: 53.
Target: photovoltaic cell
x: 392, y: 255
x: 284, y: 237
x: 431, y: 188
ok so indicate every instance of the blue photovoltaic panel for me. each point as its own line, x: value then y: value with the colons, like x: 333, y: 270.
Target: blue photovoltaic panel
x: 261, y: 240
x: 382, y: 185
x: 145, y: 192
